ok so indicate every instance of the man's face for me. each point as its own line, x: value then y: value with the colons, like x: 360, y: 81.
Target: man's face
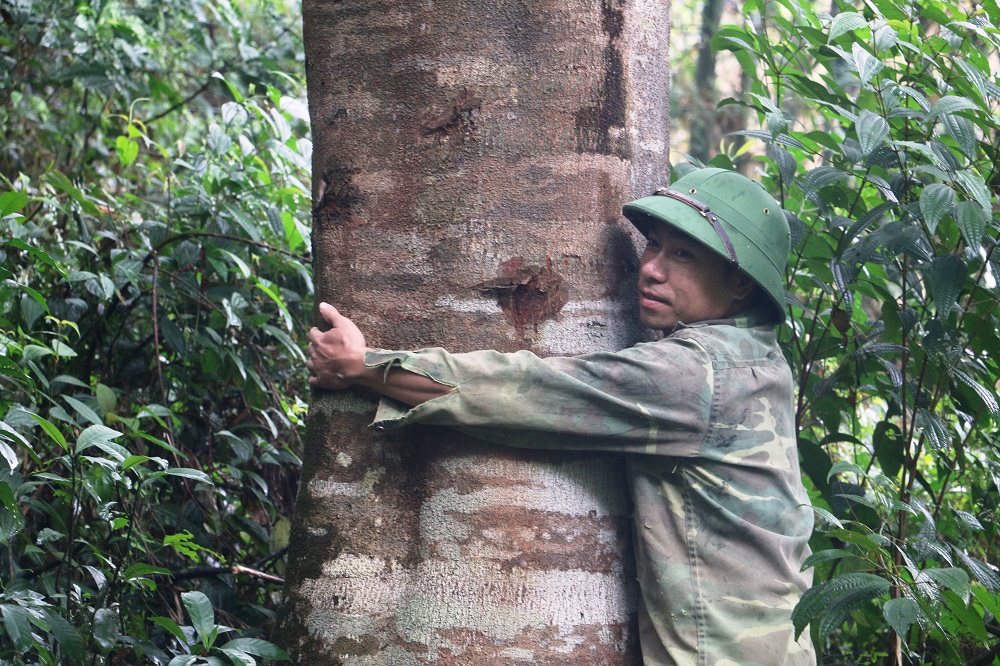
x: 681, y: 280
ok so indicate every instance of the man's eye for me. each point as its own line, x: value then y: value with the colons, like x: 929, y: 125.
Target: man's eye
x: 681, y: 253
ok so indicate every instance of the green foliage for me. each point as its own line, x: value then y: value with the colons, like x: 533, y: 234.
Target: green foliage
x: 153, y: 286
x: 882, y: 142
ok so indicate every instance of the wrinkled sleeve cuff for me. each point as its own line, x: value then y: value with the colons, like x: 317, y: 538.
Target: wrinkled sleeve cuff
x: 392, y: 413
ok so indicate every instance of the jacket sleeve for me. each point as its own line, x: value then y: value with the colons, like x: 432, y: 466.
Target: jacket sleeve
x: 653, y: 398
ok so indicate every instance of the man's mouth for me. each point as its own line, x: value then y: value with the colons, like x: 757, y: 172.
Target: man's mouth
x: 651, y: 300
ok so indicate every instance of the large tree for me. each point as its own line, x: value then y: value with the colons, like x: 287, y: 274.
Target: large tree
x: 470, y: 163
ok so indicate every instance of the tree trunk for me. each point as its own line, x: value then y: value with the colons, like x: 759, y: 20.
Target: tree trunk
x: 704, y: 127
x: 471, y: 159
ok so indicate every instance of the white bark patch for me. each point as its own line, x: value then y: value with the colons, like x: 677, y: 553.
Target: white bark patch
x: 359, y: 593
x: 575, y: 487
x: 595, y: 329
x: 323, y: 488
x: 482, y: 306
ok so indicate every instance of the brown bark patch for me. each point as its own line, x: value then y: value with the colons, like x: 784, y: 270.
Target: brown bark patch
x: 528, y: 295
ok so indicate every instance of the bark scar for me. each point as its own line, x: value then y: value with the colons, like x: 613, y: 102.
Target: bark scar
x: 459, y: 107
x: 337, y: 195
x: 527, y: 294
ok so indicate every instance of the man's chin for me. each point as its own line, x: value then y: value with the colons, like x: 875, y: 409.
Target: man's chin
x: 655, y: 323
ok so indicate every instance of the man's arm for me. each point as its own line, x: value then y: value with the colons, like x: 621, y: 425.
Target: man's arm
x: 337, y: 361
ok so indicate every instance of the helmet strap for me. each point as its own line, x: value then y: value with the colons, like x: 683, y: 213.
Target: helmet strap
x: 707, y: 213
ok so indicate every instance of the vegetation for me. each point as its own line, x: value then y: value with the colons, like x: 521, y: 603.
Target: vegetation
x: 882, y: 140
x: 155, y: 283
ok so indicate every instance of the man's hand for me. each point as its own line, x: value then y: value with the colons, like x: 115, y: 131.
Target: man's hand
x: 337, y: 361
x: 336, y: 356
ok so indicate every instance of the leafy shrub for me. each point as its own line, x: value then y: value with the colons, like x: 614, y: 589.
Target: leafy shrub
x: 155, y: 283
x: 882, y: 143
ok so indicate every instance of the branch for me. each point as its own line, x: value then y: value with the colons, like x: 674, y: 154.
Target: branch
x: 205, y: 572
x: 209, y: 234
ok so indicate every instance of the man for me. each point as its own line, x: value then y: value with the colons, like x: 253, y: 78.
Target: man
x: 705, y: 417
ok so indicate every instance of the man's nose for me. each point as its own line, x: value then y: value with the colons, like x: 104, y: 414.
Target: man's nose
x: 652, y: 268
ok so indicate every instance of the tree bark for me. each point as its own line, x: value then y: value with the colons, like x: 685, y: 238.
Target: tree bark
x: 470, y: 163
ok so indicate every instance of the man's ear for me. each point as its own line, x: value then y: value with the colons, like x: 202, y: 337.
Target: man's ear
x: 742, y: 285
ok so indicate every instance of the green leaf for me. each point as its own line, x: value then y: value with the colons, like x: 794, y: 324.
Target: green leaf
x: 885, y: 38
x: 292, y: 234
x: 951, y: 104
x: 233, y: 90
x: 258, y: 648
x: 865, y: 64
x: 887, y: 440
x: 184, y: 472
x: 984, y: 573
x: 969, y: 520
x: 879, y: 349
x: 36, y: 253
x: 70, y: 641
x: 872, y: 130
x: 132, y: 461
x: 840, y: 609
x: 96, y: 435
x: 105, y: 630
x: 11, y: 202
x: 972, y: 221
x: 984, y: 393
x: 823, y: 176
x: 976, y: 187
x: 933, y: 429
x: 952, y: 578
x: 975, y: 76
x: 846, y: 22
x: 71, y: 381
x: 825, y: 556
x: 963, y: 131
x: 51, y: 431
x: 106, y: 398
x: 141, y: 569
x: 946, y: 276
x: 173, y: 335
x: 172, y: 627
x: 936, y: 201
x: 8, y: 454
x: 989, y: 600
x: 202, y: 615
x: 916, y: 96
x: 842, y: 467
x: 237, y: 657
x: 969, y: 620
x: 84, y: 410
x: 273, y: 295
x: 818, y: 598
x: 18, y: 625
x: 127, y: 149
x: 901, y: 614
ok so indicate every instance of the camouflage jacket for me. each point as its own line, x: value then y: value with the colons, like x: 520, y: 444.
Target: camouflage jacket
x: 705, y: 417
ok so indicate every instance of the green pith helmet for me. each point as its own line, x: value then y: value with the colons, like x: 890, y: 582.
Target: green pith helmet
x: 732, y: 215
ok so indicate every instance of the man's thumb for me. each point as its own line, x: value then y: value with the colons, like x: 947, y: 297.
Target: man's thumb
x: 329, y: 313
